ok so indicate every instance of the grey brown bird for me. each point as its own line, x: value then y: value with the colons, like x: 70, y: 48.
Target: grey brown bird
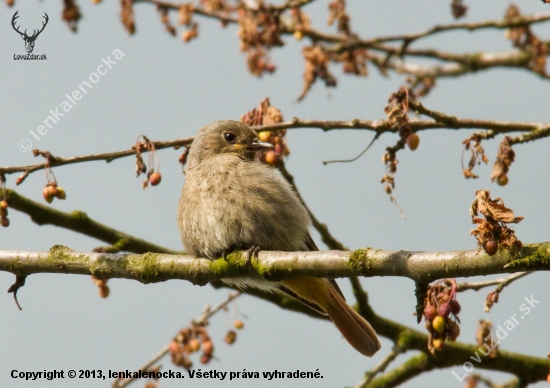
x: 230, y: 201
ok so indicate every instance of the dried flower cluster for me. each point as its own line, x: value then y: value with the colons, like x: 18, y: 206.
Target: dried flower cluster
x: 71, y: 14
x: 188, y: 341
x: 337, y: 12
x: 492, y: 232
x: 266, y: 114
x: 195, y: 337
x: 153, y: 176
x: 185, y: 18
x: 458, y: 9
x: 523, y: 37
x: 127, y: 16
x: 441, y: 311
x: 396, y: 110
x: 300, y: 22
x: 165, y: 20
x: 505, y: 157
x: 102, y: 287
x: 51, y: 190
x: 473, y: 144
x: 316, y: 66
x: 259, y: 31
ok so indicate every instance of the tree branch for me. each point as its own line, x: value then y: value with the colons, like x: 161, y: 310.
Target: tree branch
x: 79, y: 222
x: 156, y: 267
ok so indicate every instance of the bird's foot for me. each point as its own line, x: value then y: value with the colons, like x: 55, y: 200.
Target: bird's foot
x: 251, y: 252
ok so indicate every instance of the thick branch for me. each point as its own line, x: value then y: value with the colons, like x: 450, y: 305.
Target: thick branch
x: 156, y: 267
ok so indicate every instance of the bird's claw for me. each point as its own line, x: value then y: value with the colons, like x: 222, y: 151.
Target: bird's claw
x: 251, y: 252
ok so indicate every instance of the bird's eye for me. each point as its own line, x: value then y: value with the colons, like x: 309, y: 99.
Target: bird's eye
x: 229, y: 137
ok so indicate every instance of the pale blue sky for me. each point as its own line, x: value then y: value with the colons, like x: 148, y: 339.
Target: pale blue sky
x: 166, y: 89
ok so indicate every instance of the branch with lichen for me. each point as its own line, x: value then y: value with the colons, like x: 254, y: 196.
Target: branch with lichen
x: 157, y: 267
x: 153, y: 267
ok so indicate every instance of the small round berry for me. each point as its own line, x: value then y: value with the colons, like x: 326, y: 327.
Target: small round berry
x: 173, y: 347
x: 3, y: 204
x: 298, y: 35
x: 455, y: 306
x: 454, y: 330
x: 208, y: 347
x: 48, y: 193
x: 439, y: 324
x: 264, y: 136
x: 194, y: 345
x: 61, y: 194
x: 430, y: 312
x: 5, y: 222
x: 271, y: 157
x: 413, y: 140
x: 230, y: 337
x: 238, y: 324
x: 502, y: 180
x: 155, y: 178
x: 444, y: 309
x: 438, y: 343
x: 491, y: 247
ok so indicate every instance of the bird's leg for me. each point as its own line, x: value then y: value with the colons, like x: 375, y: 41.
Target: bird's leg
x: 251, y: 252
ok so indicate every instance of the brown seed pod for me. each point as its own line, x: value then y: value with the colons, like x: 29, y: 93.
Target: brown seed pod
x: 5, y: 222
x: 502, y: 180
x: 413, y: 140
x: 208, y: 347
x: 230, y: 337
x: 194, y: 345
x: 49, y: 193
x: 491, y: 247
x: 61, y: 194
x: 155, y: 178
x: 104, y: 291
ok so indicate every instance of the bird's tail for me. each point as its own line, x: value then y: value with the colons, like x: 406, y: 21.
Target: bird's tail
x: 320, y: 294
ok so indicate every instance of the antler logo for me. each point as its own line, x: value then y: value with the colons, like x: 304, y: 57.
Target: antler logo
x: 29, y: 40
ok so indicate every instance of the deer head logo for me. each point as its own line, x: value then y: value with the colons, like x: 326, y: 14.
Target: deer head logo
x: 29, y: 40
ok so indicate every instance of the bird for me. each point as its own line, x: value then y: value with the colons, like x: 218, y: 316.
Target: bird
x: 230, y: 201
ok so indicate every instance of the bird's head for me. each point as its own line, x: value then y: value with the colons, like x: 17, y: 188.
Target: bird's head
x: 225, y: 137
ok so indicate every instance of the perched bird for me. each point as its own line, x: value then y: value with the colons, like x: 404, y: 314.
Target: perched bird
x: 230, y: 201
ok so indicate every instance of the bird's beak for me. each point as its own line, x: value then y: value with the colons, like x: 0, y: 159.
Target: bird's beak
x: 258, y: 145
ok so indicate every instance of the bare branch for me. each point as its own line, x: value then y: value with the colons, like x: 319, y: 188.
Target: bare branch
x: 501, y: 283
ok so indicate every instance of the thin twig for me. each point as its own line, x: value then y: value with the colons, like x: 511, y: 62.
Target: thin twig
x: 380, y: 367
x: 500, y: 283
x: 376, y: 136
